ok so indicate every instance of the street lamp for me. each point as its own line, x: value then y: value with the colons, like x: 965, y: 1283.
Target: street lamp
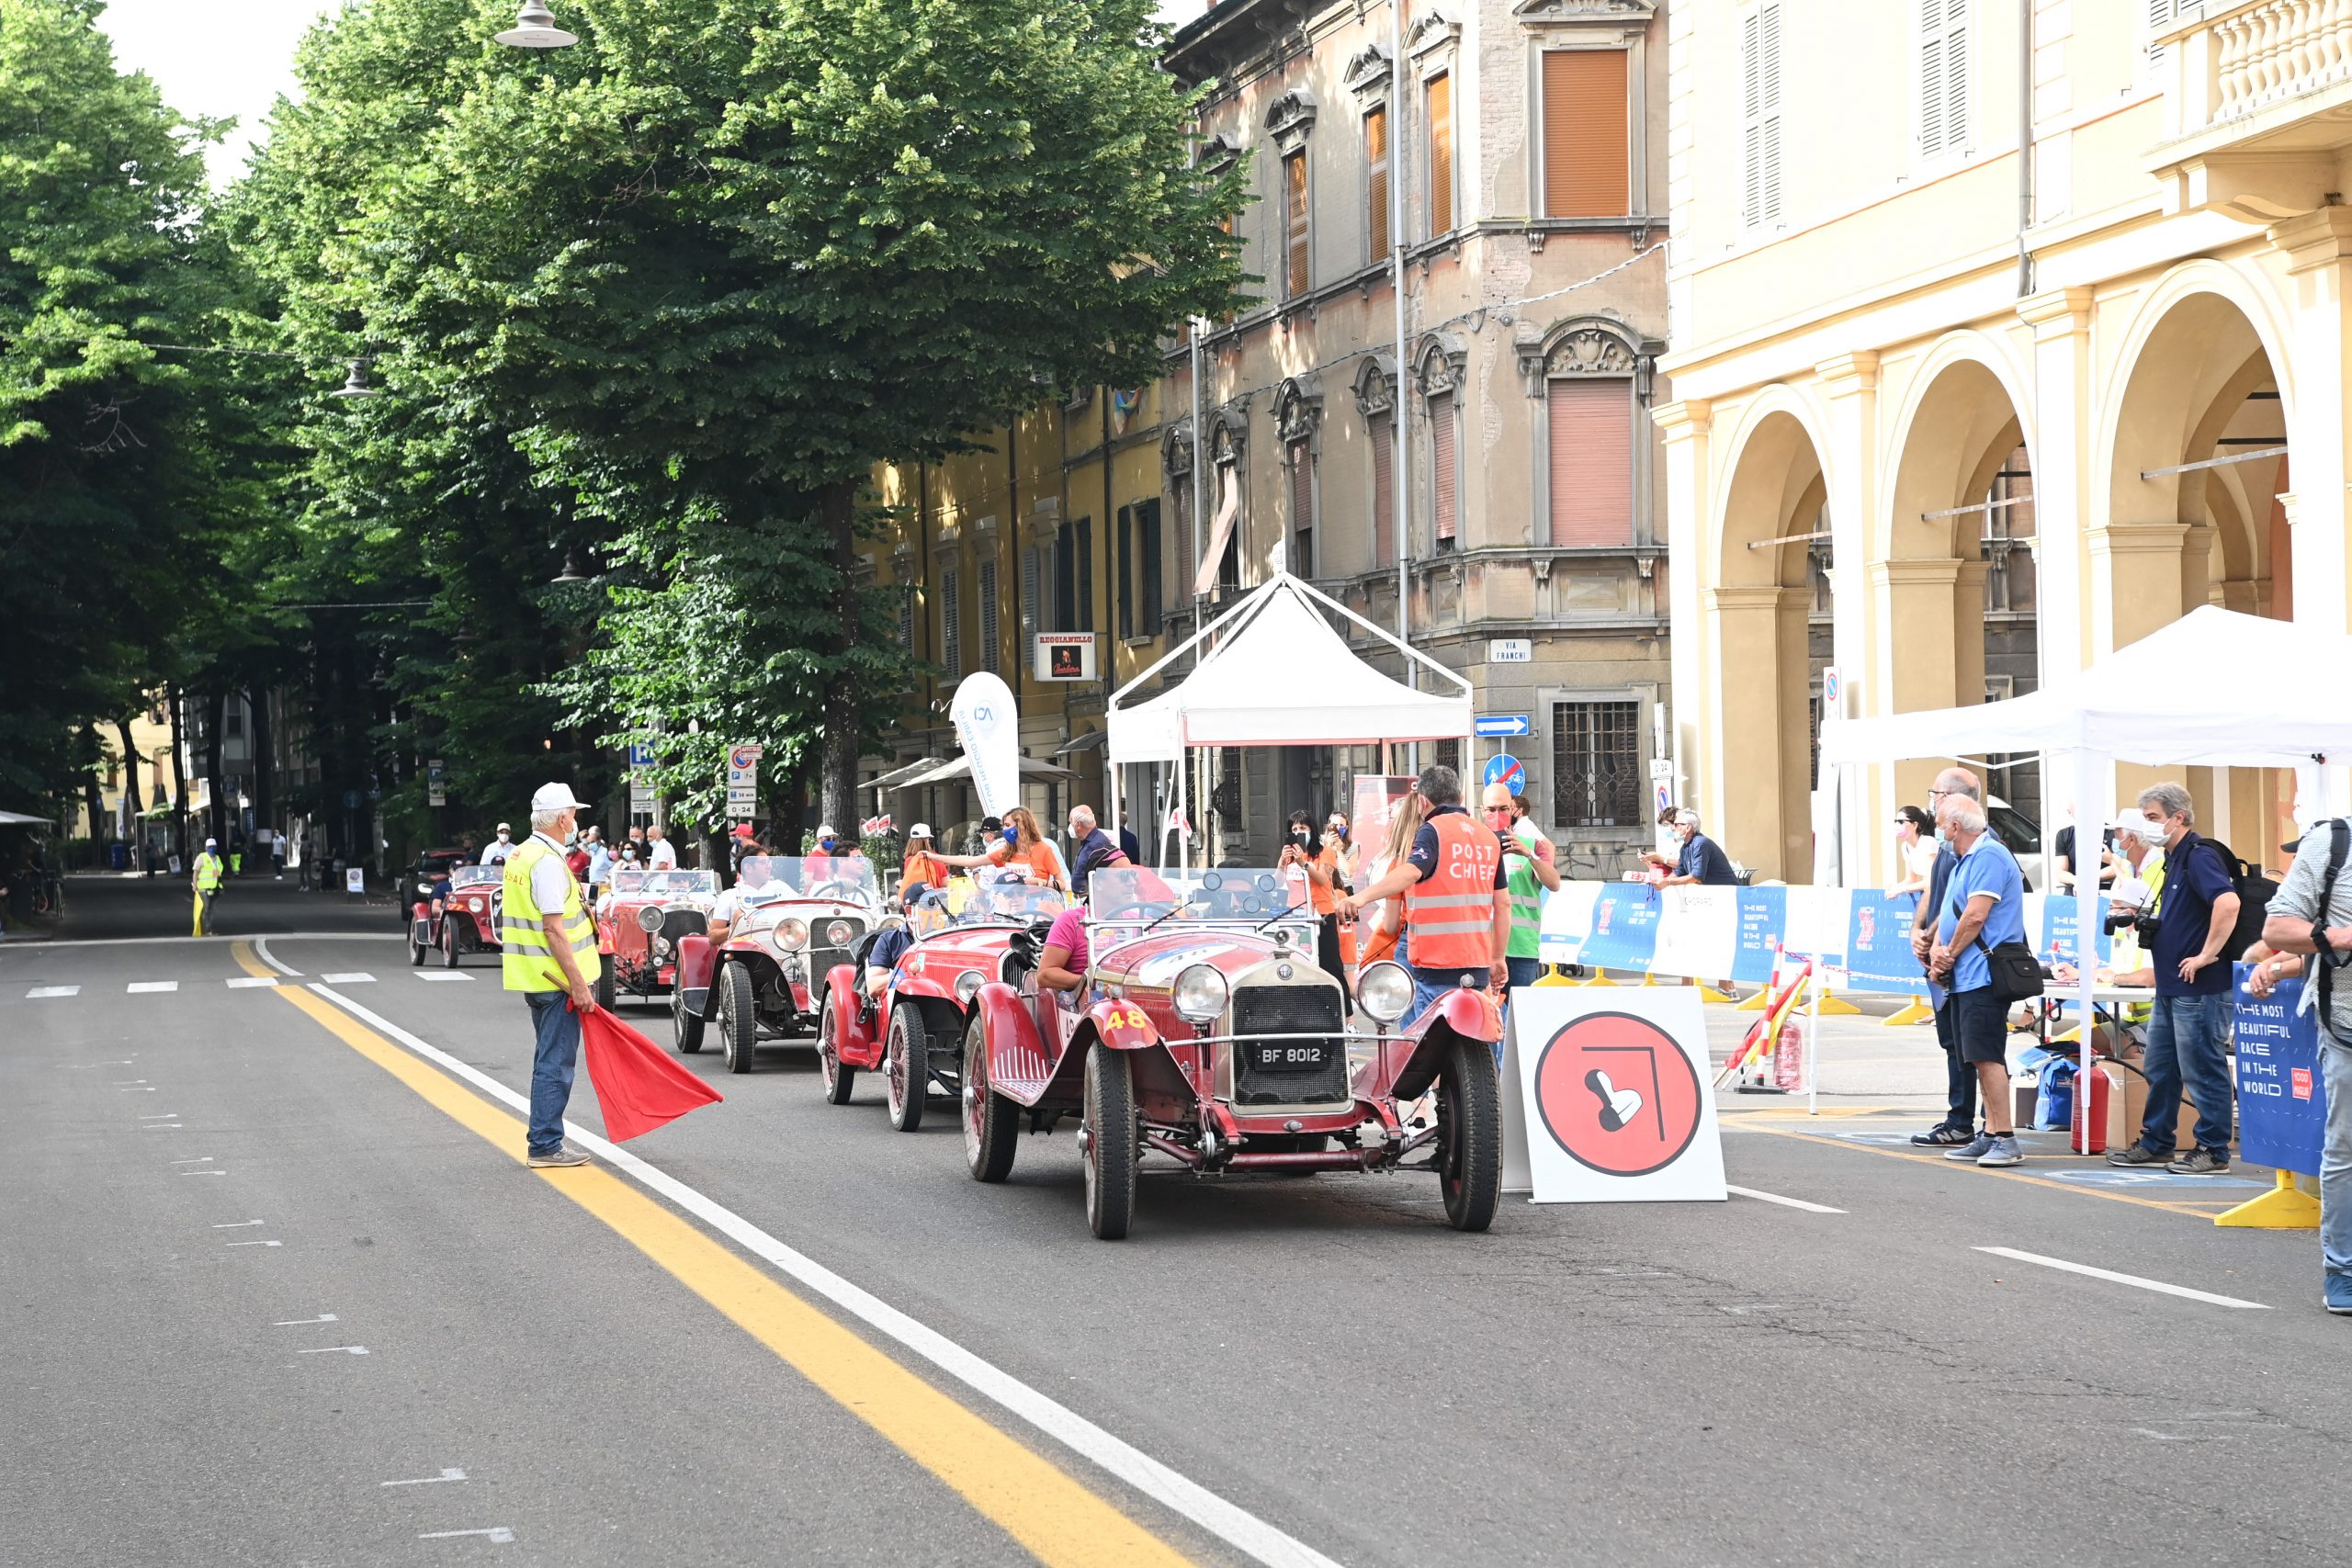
x: 355, y: 385
x: 535, y: 29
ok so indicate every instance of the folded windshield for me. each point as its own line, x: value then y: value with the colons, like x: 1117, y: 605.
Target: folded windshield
x: 848, y: 878
x: 664, y: 884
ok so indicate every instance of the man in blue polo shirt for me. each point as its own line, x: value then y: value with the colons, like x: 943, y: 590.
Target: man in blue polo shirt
x: 1983, y: 906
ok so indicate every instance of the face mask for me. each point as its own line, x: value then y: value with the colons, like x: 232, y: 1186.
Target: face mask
x: 571, y: 839
x: 1013, y: 836
x: 1298, y: 836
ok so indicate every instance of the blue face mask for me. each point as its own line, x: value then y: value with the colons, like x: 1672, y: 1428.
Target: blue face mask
x: 1012, y: 837
x: 826, y: 845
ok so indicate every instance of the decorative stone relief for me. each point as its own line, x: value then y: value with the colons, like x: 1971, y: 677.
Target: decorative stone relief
x: 1375, y: 385
x: 1298, y: 407
x: 1440, y: 366
x: 1290, y: 117
x: 1367, y: 73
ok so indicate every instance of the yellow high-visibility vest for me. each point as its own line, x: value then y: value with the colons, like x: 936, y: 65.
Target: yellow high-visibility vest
x: 525, y: 962
x: 208, y: 873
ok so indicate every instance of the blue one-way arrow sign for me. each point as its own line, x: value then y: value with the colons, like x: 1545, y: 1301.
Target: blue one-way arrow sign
x: 1501, y: 724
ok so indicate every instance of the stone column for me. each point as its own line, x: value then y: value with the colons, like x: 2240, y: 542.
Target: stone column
x: 2319, y: 423
x: 1850, y: 474
x: 1747, y: 766
x: 1918, y: 647
x: 1692, y: 548
x: 2058, y: 435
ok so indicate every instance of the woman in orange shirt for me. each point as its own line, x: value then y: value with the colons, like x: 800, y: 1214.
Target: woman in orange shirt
x: 1023, y: 846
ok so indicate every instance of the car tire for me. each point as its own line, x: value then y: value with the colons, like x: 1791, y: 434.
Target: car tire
x: 906, y: 1067
x: 448, y: 944
x: 991, y: 1123
x: 415, y: 948
x: 1469, y: 1136
x: 838, y: 1076
x: 739, y: 1018
x: 1111, y: 1138
x: 604, y: 985
x: 685, y: 1026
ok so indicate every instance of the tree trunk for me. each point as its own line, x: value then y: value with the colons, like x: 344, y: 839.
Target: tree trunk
x: 180, y: 783
x: 837, y: 782
x: 132, y: 761
x: 94, y: 802
x: 264, y: 762
x: 215, y: 719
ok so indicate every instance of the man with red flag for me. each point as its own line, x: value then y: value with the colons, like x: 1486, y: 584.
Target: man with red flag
x: 549, y: 952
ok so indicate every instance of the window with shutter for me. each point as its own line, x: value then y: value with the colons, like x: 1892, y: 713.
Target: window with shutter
x: 907, y: 617
x: 1587, y: 135
x: 1944, y: 77
x: 1032, y: 604
x: 1295, y: 270
x: 1376, y: 184
x: 951, y: 630
x: 1082, y: 576
x: 2160, y: 14
x: 1065, y: 586
x: 1187, y: 557
x: 1301, y: 509
x: 1442, y: 474
x: 1123, y: 576
x: 1384, y: 492
x: 1437, y: 113
x: 1759, y: 87
x: 1591, y: 461
x: 990, y: 656
x: 1147, y: 554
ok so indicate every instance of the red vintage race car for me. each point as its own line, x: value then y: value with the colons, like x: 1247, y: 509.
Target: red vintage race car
x: 914, y: 1030
x: 639, y: 922
x: 766, y: 978
x: 466, y: 920
x: 1206, y: 1034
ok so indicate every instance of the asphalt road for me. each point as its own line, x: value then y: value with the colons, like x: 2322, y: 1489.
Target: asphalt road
x: 1320, y: 1360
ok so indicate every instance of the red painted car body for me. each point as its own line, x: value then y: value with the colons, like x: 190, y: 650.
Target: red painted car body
x: 467, y: 920
x: 765, y: 978
x: 640, y: 921
x: 1263, y: 1076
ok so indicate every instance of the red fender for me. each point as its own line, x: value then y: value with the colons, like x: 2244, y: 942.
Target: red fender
x: 1458, y: 1015
x: 1017, y: 1066
x: 1122, y: 1026
x: 858, y: 1046
x: 695, y: 962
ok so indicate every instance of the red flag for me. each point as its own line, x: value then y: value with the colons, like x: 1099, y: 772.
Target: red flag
x: 639, y: 1085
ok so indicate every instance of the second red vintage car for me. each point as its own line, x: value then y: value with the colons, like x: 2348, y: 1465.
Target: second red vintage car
x: 467, y: 921
x: 640, y: 921
x: 966, y: 932
x: 1206, y: 1034
x: 766, y: 978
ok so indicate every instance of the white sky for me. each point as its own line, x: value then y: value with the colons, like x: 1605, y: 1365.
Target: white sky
x: 234, y: 57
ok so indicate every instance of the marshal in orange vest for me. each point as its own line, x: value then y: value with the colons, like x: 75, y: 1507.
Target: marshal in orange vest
x: 1450, y: 914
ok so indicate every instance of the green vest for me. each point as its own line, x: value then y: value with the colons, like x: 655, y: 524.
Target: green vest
x: 1526, y: 904
x: 208, y: 873
x: 526, y: 963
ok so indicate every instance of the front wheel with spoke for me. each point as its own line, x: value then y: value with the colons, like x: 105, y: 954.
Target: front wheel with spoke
x: 1111, y: 1138
x: 907, y: 1067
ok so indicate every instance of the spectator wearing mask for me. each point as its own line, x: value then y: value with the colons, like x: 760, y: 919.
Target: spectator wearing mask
x: 1702, y: 863
x: 1983, y: 906
x: 922, y: 867
x: 1314, y: 879
x: 1020, y: 845
x: 500, y: 848
x: 659, y: 853
x: 1915, y: 847
x: 2309, y: 931
x: 1531, y: 875
x: 2189, y: 1026
x: 600, y: 860
x: 1091, y: 847
x: 1959, y: 1126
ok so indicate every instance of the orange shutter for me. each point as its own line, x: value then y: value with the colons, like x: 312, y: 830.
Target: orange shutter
x: 1587, y: 153
x: 1383, y: 497
x: 1592, y: 461
x: 1376, y: 182
x: 1438, y: 98
x: 1442, y: 462
x: 1294, y: 210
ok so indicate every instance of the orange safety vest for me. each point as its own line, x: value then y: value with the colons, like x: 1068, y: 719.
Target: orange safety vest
x: 1450, y: 914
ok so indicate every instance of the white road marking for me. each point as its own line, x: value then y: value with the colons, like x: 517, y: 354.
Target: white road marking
x: 256, y: 1243
x: 1227, y: 1521
x: 334, y: 1350
x: 499, y: 1533
x: 199, y: 1159
x: 348, y: 979
x: 162, y: 1116
x: 238, y: 1224
x: 119, y: 1083
x: 204, y: 1173
x: 126, y: 1088
x: 428, y: 1480
x: 443, y: 975
x: 137, y: 987
x: 40, y: 992
x: 302, y: 1321
x: 261, y: 951
x: 1784, y: 1202
x: 2109, y: 1274
x: 164, y: 1127
x: 250, y: 982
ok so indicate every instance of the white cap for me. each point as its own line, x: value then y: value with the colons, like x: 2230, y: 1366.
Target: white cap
x: 212, y: 843
x: 919, y: 831
x: 555, y: 797
x: 825, y: 830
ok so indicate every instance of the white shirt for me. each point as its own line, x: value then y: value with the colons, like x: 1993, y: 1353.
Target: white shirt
x: 500, y: 849
x: 1919, y: 858
x: 549, y: 879
x: 662, y: 856
x: 732, y: 903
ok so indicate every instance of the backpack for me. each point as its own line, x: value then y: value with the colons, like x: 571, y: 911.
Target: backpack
x: 2323, y: 973
x: 2255, y: 888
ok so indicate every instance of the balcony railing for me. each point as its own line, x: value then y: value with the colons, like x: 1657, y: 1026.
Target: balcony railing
x: 2236, y: 63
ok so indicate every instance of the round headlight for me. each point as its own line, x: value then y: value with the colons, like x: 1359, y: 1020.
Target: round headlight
x: 1384, y: 990
x: 1200, y: 993
x: 791, y: 935
x: 967, y: 985
x: 661, y: 947
x: 840, y: 933
x: 649, y: 919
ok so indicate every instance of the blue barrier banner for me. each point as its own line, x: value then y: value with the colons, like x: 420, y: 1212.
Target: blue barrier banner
x: 1624, y: 927
x: 1763, y: 916
x: 1878, y: 944
x: 2060, y: 939
x: 2282, y: 1093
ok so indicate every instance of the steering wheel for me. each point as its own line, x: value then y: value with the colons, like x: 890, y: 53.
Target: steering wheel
x: 843, y: 891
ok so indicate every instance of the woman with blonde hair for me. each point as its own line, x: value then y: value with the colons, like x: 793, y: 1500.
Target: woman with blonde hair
x: 1023, y: 845
x: 1380, y: 928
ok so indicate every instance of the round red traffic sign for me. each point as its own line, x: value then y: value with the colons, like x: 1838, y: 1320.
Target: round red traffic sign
x: 1617, y: 1094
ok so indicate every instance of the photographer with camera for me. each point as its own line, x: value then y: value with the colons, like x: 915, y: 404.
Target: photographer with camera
x: 1317, y: 875
x: 2188, y: 1026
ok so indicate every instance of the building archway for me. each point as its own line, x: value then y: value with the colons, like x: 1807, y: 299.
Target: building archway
x: 1762, y: 603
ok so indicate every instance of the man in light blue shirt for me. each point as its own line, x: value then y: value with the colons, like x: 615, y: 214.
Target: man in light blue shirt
x: 1983, y: 906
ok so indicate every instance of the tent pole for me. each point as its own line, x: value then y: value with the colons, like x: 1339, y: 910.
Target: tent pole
x: 2095, y: 805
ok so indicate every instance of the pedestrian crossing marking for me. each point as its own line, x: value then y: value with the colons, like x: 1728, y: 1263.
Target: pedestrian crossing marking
x: 137, y: 987
x: 347, y: 979
x: 442, y: 975
x: 37, y: 992
x: 245, y: 982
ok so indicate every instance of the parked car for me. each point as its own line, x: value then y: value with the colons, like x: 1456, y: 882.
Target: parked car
x: 757, y: 984
x: 2022, y: 834
x: 469, y: 920
x: 1207, y: 1035
x: 963, y: 934
x: 640, y: 921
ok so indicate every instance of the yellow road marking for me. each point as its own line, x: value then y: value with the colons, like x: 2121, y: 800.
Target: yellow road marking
x: 2004, y: 1175
x: 1040, y: 1506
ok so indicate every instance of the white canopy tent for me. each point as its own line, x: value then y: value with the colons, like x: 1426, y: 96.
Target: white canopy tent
x: 1274, y: 672
x: 2213, y: 689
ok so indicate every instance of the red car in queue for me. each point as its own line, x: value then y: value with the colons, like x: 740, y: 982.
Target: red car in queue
x: 766, y: 978
x: 1205, y: 1034
x: 469, y: 919
x: 914, y: 1030
x: 639, y: 922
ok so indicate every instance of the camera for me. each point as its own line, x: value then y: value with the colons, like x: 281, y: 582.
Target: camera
x: 2136, y: 920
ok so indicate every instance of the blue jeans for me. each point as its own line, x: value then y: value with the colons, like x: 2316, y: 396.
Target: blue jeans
x: 2335, y: 1164
x: 2188, y: 1042
x: 552, y: 1063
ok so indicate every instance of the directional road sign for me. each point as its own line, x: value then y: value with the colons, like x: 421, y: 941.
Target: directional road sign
x: 1501, y: 724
